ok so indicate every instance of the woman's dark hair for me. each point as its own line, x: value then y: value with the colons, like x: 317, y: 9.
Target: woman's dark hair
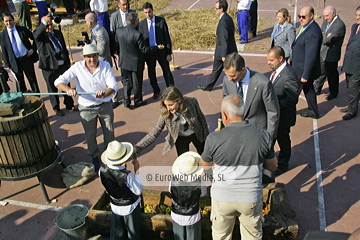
x: 172, y: 94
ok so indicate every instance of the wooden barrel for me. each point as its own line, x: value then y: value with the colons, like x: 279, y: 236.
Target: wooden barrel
x: 27, y: 144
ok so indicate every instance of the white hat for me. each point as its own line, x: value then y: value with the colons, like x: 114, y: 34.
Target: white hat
x: 117, y: 153
x: 188, y: 164
x: 89, y: 49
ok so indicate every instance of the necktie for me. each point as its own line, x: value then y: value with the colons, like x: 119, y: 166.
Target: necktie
x: 273, y: 76
x: 14, y: 44
x: 301, y: 30
x: 240, y: 90
x: 56, y: 43
x: 358, y: 30
x: 151, y: 35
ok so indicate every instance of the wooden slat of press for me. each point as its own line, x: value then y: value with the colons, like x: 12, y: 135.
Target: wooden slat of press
x: 23, y: 149
x: 6, y: 157
x: 14, y: 159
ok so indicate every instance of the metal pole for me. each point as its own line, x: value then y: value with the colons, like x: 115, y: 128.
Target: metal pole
x: 62, y: 93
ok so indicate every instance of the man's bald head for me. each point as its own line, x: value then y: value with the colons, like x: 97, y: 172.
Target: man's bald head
x: 329, y: 13
x: 306, y: 15
x: 91, y: 20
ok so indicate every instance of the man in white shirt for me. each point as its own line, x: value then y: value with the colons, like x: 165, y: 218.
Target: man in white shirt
x: 92, y: 75
x: 243, y: 18
x: 100, y: 7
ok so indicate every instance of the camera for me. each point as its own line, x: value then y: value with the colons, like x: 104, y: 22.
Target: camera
x: 57, y: 19
x: 85, y: 41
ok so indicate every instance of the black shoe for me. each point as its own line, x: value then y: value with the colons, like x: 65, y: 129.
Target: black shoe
x: 127, y: 105
x: 330, y: 97
x: 202, y: 87
x: 156, y: 96
x: 310, y: 115
x: 318, y: 93
x: 279, y: 171
x: 142, y: 103
x: 60, y: 113
x: 348, y: 116
x: 96, y: 163
x: 115, y: 105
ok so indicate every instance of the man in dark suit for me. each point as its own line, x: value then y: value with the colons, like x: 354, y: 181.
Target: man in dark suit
x: 18, y: 53
x: 351, y: 67
x: 333, y: 29
x: 53, y: 60
x: 225, y: 43
x: 117, y: 18
x: 305, y: 57
x: 131, y: 59
x: 155, y: 31
x: 285, y: 84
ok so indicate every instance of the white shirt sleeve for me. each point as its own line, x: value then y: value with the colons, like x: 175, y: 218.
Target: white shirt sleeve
x: 134, y: 183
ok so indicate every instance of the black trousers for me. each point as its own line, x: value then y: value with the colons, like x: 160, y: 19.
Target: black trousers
x: 253, y: 17
x: 182, y: 144
x: 353, y: 83
x: 218, y: 66
x: 150, y: 60
x: 283, y: 139
x: 310, y: 96
x: 132, y: 81
x: 329, y: 70
x: 25, y: 65
x: 50, y: 76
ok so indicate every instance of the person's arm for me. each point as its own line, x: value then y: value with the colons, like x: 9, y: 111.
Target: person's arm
x: 39, y: 32
x: 168, y: 44
x: 271, y: 164
x: 134, y: 183
x: 101, y: 42
x: 290, y: 92
x: 144, y: 49
x: 271, y: 104
x: 337, y: 33
x: 151, y: 136
x: 206, y: 165
x: 110, y: 80
x: 312, y: 46
x: 201, y: 118
x: 62, y: 81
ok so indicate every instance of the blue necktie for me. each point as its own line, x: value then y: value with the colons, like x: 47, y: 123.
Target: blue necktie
x: 14, y: 44
x: 240, y: 90
x: 152, y: 35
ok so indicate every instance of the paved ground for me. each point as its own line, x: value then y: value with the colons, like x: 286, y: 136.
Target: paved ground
x: 322, y: 183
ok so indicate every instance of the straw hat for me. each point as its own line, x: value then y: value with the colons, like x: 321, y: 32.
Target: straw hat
x: 89, y: 49
x: 188, y: 164
x: 117, y: 153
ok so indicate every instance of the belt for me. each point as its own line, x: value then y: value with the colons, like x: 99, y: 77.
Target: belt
x: 242, y: 10
x: 23, y: 57
x: 97, y: 105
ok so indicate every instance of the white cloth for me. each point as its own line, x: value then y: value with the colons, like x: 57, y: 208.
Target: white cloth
x: 244, y: 5
x: 99, y: 5
x: 245, y: 85
x: 18, y: 1
x: 184, y: 220
x: 102, y: 79
x: 22, y: 49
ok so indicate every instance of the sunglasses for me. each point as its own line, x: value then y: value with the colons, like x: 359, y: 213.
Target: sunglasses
x: 303, y: 17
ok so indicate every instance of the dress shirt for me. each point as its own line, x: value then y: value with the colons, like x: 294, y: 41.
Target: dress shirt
x: 151, y: 23
x: 99, y: 5
x: 244, y: 5
x: 330, y: 23
x: 245, y: 84
x: 184, y: 129
x: 134, y: 183
x: 279, y: 28
x: 22, y: 49
x: 123, y: 16
x: 102, y: 79
x: 185, y: 220
x: 94, y: 29
x: 279, y: 69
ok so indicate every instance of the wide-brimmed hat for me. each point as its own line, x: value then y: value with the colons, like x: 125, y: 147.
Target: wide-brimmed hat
x: 89, y: 49
x: 117, y: 153
x: 188, y: 164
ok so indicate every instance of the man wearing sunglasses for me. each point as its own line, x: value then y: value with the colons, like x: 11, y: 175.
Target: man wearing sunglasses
x: 305, y: 58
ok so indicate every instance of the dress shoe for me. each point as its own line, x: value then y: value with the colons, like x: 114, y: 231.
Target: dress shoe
x: 309, y: 114
x: 344, y: 110
x: 60, y: 113
x: 280, y: 171
x: 127, y: 106
x: 330, y: 97
x: 156, y: 96
x: 202, y: 87
x: 142, y: 103
x: 73, y: 108
x: 115, y: 105
x: 348, y: 116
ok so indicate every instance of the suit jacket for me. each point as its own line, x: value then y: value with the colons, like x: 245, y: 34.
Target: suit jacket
x: 7, y: 52
x: 116, y: 21
x: 131, y: 48
x: 351, y: 63
x: 100, y: 38
x: 306, y: 53
x: 225, y: 40
x: 284, y: 38
x: 47, y: 58
x: 161, y: 34
x: 286, y: 88
x: 262, y: 107
x: 195, y: 118
x: 331, y: 46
